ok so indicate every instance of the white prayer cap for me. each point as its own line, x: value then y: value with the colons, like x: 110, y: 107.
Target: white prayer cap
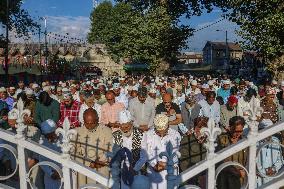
x: 46, y: 88
x: 274, y: 82
x: 2, y: 89
x: 12, y: 115
x: 161, y: 122
x: 101, y: 81
x: 65, y: 90
x: 226, y: 82
x: 193, y: 82
x: 116, y: 86
x: 179, y: 87
x: 73, y: 86
x: 124, y: 117
x: 121, y: 79
x: 67, y: 95
x: 135, y: 88
x: 34, y: 86
x: 63, y: 85
x: 109, y: 82
x: 205, y: 86
x: 43, y: 84
x: 29, y: 92
x: 265, y: 123
x: 60, y: 82
x: 250, y: 83
x: 153, y: 90
x: 48, y: 126
x: 59, y: 89
x: 52, y: 87
x: 210, y: 83
x: 88, y: 83
x: 282, y: 83
x: 12, y: 88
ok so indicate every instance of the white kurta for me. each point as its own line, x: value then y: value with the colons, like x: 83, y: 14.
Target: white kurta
x: 152, y: 145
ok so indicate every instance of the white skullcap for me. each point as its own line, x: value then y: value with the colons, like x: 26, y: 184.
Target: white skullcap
x: 60, y: 82
x: 205, y: 86
x: 124, y: 117
x: 88, y: 83
x: 46, y: 88
x: 282, y: 83
x: 63, y: 85
x: 265, y: 123
x: 2, y: 89
x: 135, y: 88
x: 43, y: 84
x: 274, y: 82
x: 251, y: 84
x: 193, y: 82
x: 12, y: 115
x: 52, y: 87
x: 161, y: 121
x: 153, y: 90
x: 109, y: 82
x: 35, y: 86
x: 29, y: 92
x: 12, y: 88
x: 226, y: 82
x: 116, y: 86
x: 59, y: 89
x: 210, y: 83
x: 73, y: 85
x: 65, y: 90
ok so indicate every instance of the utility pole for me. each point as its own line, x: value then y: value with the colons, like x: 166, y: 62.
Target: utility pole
x: 227, y: 49
x: 7, y: 44
x: 45, y: 40
x: 39, y: 43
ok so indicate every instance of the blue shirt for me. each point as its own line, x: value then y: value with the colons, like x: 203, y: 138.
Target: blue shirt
x: 10, y: 102
x: 225, y: 94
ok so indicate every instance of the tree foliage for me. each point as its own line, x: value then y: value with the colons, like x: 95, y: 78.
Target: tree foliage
x: 148, y: 37
x: 19, y: 19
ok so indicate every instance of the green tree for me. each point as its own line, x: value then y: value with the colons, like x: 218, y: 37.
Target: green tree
x: 19, y: 19
x: 149, y: 37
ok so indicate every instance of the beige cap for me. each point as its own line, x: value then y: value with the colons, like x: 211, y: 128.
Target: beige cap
x: 161, y: 122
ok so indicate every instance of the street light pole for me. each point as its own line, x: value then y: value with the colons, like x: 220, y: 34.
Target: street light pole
x: 227, y: 49
x: 7, y: 44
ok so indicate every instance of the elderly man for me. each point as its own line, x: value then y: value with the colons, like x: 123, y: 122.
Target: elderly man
x: 189, y: 111
x: 89, y: 102
x: 210, y: 107
x: 201, y: 96
x: 92, y: 143
x: 171, y: 110
x: 228, y: 111
x: 142, y: 110
x: 194, y: 90
x: 69, y: 108
x: 110, y: 110
x: 5, y: 98
x: 153, y: 143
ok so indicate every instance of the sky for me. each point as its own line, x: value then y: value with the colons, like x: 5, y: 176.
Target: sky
x: 72, y: 17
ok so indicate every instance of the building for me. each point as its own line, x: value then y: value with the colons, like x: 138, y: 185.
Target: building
x: 214, y: 53
x: 191, y: 58
x: 30, y: 57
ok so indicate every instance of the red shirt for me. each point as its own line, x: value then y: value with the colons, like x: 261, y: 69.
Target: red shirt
x: 72, y: 113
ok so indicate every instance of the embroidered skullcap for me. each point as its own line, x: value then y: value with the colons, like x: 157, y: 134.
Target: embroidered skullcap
x: 2, y: 89
x: 161, y: 121
x: 193, y: 82
x: 153, y: 90
x: 124, y: 117
x: 116, y: 86
x: 48, y: 126
x: 12, y: 115
x: 271, y: 91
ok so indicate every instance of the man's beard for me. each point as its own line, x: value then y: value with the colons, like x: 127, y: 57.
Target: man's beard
x: 128, y: 133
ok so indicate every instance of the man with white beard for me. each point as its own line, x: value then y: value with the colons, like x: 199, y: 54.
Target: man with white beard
x: 129, y: 137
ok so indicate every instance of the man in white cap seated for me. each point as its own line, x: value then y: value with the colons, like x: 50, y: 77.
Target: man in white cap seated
x: 12, y: 92
x: 128, y: 137
x: 50, y: 140
x: 153, y: 143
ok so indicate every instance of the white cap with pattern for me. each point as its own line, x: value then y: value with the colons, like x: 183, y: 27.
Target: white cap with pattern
x: 161, y: 122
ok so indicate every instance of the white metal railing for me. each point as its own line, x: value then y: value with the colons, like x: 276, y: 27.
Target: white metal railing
x: 68, y: 165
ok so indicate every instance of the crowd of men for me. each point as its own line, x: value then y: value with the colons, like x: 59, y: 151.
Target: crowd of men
x: 142, y: 115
